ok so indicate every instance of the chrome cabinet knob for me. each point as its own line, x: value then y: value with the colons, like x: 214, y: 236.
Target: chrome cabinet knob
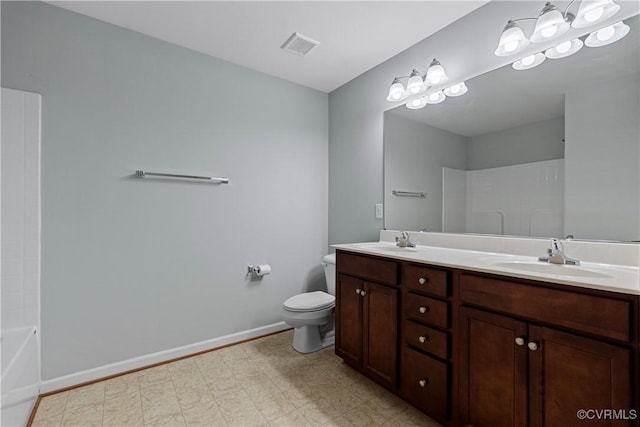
x: 422, y: 280
x: 358, y: 291
x: 520, y: 341
x: 423, y: 339
x: 363, y: 293
x: 424, y: 382
x: 533, y: 346
x: 423, y: 309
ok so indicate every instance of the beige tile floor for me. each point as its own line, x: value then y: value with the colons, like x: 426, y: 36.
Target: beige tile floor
x: 258, y: 383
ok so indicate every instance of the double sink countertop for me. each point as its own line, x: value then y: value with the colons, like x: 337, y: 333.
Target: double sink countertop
x: 607, y: 277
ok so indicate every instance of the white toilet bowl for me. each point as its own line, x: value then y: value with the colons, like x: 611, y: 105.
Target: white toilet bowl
x: 311, y: 314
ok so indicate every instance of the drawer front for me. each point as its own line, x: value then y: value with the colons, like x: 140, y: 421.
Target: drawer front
x: 426, y: 310
x: 426, y: 384
x: 375, y: 269
x: 426, y: 280
x: 427, y: 339
x: 593, y: 314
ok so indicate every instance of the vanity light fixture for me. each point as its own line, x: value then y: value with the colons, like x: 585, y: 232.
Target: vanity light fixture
x: 551, y: 24
x: 607, y: 35
x: 435, y: 74
x: 417, y: 103
x: 512, y: 40
x: 529, y: 61
x: 396, y: 91
x: 457, y: 89
x: 564, y: 49
x: 592, y: 12
x: 418, y: 84
x: 415, y: 85
x: 436, y: 97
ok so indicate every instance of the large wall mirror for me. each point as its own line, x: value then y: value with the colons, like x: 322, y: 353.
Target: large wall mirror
x: 547, y: 152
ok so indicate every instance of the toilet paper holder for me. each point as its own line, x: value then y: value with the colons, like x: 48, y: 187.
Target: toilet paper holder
x: 258, y: 270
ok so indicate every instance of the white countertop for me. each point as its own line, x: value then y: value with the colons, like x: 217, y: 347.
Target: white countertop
x: 606, y: 277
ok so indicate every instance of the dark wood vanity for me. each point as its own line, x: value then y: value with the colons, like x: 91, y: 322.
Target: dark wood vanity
x: 476, y: 349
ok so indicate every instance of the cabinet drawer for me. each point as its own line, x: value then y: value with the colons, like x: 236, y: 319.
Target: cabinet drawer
x: 426, y: 384
x: 427, y: 280
x: 427, y: 310
x: 427, y: 339
x: 376, y: 269
x: 594, y: 314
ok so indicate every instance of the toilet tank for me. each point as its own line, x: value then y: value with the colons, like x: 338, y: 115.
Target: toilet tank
x: 329, y: 263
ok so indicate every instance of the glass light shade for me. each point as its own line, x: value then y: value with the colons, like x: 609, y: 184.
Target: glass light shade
x: 435, y: 74
x: 564, y: 49
x: 416, y: 104
x: 591, y: 12
x: 529, y: 62
x: 550, y: 24
x: 607, y: 35
x: 415, y: 85
x: 512, y: 40
x: 456, y: 89
x: 435, y: 97
x: 396, y: 91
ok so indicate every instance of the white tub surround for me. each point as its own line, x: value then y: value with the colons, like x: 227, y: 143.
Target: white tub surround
x: 487, y: 254
x: 20, y: 381
x: 20, y: 259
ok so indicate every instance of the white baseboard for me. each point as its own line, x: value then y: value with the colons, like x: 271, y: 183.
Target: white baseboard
x: 159, y: 357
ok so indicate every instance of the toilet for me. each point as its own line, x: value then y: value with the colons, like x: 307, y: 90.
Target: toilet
x: 311, y: 313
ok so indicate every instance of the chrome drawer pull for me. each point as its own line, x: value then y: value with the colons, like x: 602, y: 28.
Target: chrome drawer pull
x: 423, y: 309
x: 423, y: 383
x: 423, y: 339
x: 520, y: 341
x: 533, y: 346
x: 358, y: 291
x: 423, y: 280
x: 363, y: 293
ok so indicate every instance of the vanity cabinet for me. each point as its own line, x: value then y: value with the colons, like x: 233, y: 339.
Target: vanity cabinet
x: 479, y: 349
x: 527, y: 370
x: 367, y: 330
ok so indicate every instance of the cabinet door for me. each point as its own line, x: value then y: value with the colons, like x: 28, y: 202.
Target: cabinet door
x: 569, y: 373
x: 493, y: 370
x: 381, y: 334
x: 349, y: 319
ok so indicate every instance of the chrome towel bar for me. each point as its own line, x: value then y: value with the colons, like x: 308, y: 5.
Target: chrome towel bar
x: 409, y: 193
x: 221, y: 179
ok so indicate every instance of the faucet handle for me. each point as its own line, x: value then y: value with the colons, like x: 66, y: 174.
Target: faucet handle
x: 556, y: 245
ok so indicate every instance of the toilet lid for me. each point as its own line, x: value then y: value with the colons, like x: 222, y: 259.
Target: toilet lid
x: 309, y: 301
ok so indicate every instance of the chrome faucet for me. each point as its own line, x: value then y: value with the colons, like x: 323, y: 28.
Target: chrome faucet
x: 557, y: 255
x: 403, y: 240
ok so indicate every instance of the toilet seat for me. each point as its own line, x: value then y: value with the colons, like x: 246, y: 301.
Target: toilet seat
x: 309, y: 301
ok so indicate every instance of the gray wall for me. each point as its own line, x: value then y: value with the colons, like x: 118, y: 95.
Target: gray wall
x: 414, y: 155
x: 602, y: 129
x: 533, y: 142
x: 132, y: 266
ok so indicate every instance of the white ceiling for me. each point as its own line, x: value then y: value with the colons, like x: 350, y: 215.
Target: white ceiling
x: 354, y: 36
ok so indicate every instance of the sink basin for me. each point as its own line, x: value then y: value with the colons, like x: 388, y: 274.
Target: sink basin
x: 554, y: 269
x: 384, y: 248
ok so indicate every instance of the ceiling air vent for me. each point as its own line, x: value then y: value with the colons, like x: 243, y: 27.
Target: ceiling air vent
x: 299, y: 44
